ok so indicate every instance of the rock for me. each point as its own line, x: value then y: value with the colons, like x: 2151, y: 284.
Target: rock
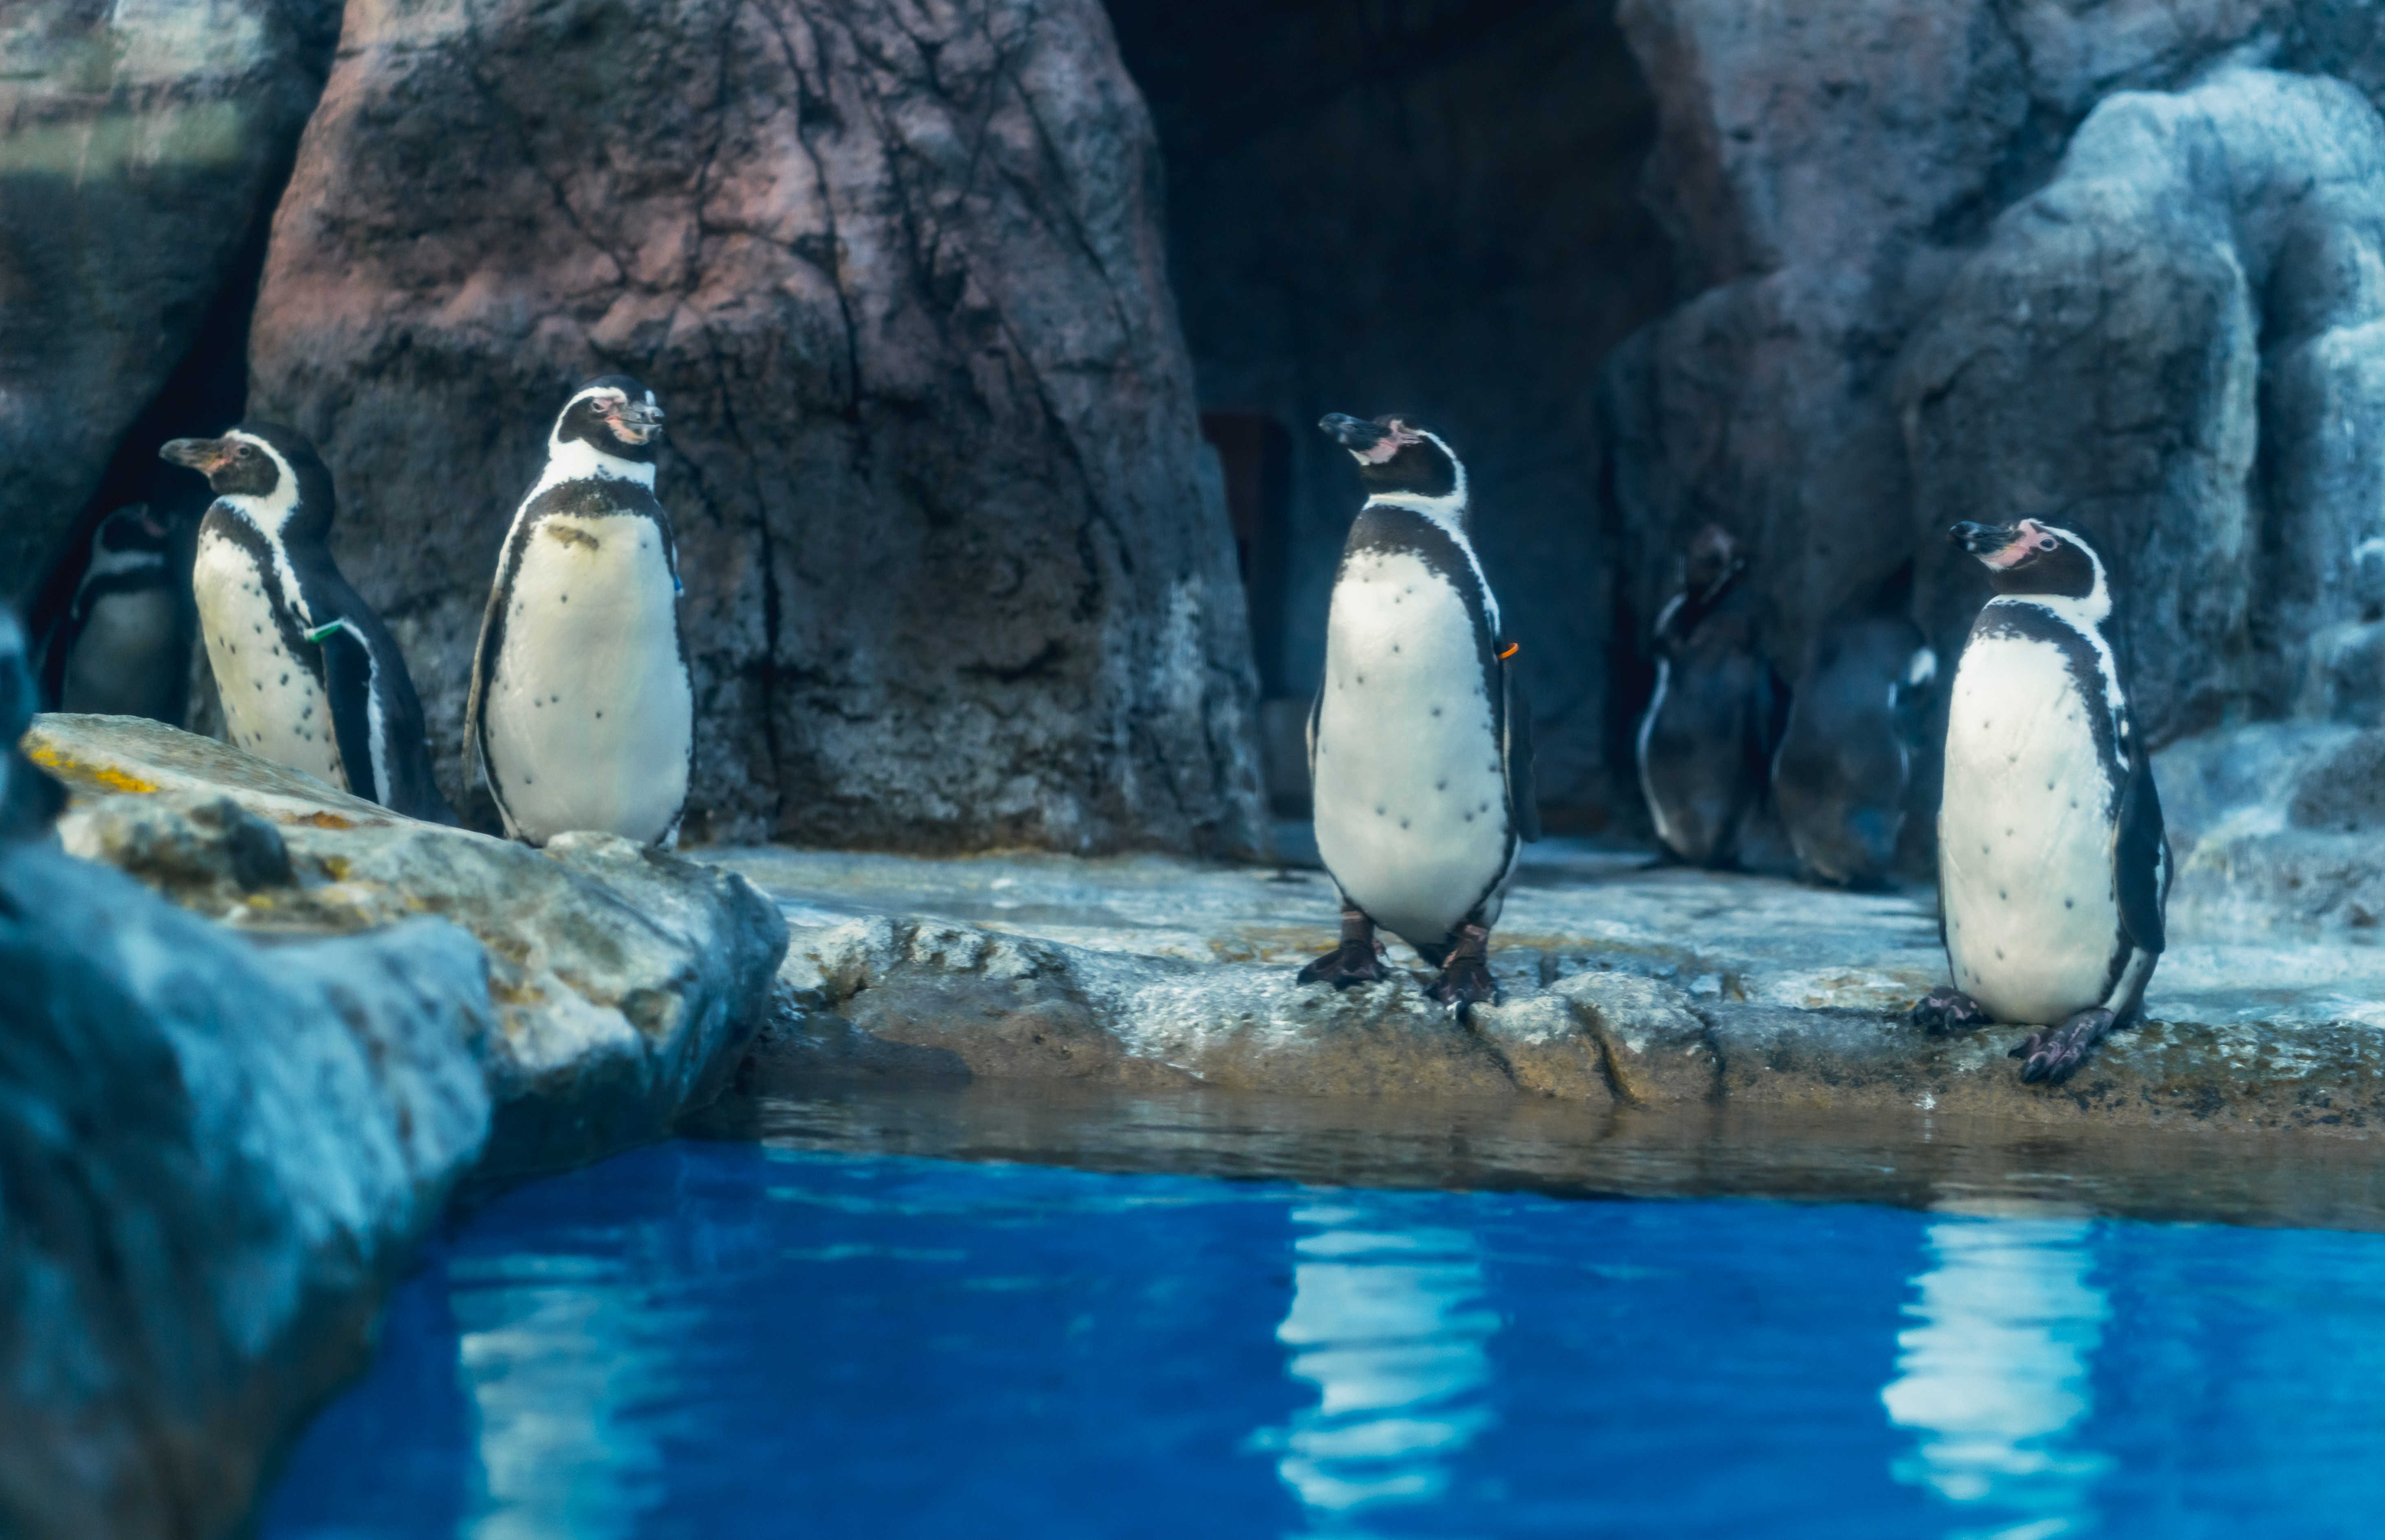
x: 976, y: 1002
x: 895, y: 273
x: 625, y: 980
x: 141, y: 148
x: 1657, y: 1049
x: 1974, y: 259
x: 214, y: 1157
x: 2175, y: 320
x: 1626, y: 989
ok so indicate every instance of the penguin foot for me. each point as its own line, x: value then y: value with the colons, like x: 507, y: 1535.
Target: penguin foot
x: 1466, y: 980
x: 2052, y: 1054
x: 1352, y: 963
x: 1944, y: 1010
x: 1464, y: 984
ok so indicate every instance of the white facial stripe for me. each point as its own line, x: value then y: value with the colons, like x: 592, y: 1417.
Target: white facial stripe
x: 268, y: 514
x: 1449, y: 513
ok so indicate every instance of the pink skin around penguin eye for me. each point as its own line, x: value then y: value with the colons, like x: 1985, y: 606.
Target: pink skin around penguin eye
x: 2030, y: 539
x: 1396, y: 438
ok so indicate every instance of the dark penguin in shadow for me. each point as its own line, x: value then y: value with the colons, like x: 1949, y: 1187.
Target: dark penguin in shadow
x: 278, y: 618
x: 1845, y: 762
x: 1419, y: 746
x: 1706, y: 742
x: 2054, y: 869
x: 110, y: 628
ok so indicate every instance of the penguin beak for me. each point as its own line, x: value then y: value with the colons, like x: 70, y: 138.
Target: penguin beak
x: 204, y: 456
x: 1354, y: 434
x: 635, y: 422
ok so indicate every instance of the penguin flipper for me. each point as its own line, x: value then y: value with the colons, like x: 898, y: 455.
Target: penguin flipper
x: 1315, y: 709
x: 1516, y: 752
x: 2141, y: 859
x: 484, y: 664
x: 347, y: 686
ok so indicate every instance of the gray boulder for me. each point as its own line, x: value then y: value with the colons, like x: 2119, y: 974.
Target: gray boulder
x: 953, y: 578
x: 626, y: 980
x: 214, y: 1158
x: 140, y: 149
x: 2178, y: 345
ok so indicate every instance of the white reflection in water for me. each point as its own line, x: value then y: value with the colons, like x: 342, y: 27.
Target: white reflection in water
x: 1388, y: 1323
x: 1994, y: 1376
x: 557, y: 1357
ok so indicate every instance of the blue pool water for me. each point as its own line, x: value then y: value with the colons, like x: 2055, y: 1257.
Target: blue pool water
x: 722, y: 1340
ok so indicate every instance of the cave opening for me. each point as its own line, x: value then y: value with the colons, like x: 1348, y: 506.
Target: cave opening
x: 1431, y: 207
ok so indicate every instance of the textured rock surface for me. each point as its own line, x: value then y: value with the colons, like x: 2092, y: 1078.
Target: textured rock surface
x: 2179, y: 344
x: 953, y: 578
x: 141, y: 147
x: 213, y: 1156
x: 624, y: 979
x: 1626, y: 989
x: 1974, y: 259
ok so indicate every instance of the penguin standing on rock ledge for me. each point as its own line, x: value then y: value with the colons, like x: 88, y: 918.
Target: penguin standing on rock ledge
x: 2054, y: 869
x: 1419, y: 746
x: 582, y: 712
x: 268, y: 590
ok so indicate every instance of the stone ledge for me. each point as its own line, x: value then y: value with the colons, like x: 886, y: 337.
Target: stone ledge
x: 625, y: 980
x: 923, y: 999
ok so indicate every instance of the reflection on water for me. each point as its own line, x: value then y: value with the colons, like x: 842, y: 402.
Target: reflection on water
x: 1388, y: 1323
x: 1992, y: 1375
x: 557, y: 1354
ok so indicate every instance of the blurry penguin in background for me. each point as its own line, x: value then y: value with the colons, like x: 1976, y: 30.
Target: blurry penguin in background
x: 1845, y: 760
x: 1705, y: 747
x: 111, y: 626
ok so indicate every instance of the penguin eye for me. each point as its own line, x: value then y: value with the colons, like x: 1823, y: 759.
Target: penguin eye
x: 2046, y: 542
x: 246, y: 453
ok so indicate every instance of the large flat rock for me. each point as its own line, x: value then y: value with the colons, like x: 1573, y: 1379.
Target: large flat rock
x: 1625, y: 986
x: 624, y: 979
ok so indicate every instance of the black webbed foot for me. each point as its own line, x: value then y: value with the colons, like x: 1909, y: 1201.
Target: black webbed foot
x: 1465, y: 984
x: 1352, y: 963
x: 1945, y: 1010
x: 1358, y: 959
x: 2052, y: 1054
x: 1466, y: 980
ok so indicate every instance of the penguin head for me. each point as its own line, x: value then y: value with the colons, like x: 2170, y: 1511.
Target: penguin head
x: 268, y: 473
x: 613, y: 415
x: 130, y: 532
x: 1398, y: 460
x: 2035, y: 559
x: 1711, y: 560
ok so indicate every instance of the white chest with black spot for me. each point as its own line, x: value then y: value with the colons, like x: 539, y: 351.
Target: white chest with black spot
x: 590, y: 714
x: 273, y: 705
x: 1410, y: 792
x: 2027, y: 834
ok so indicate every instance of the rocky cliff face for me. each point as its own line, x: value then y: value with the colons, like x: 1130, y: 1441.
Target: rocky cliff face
x: 2112, y: 263
x: 955, y: 577
x: 141, y: 145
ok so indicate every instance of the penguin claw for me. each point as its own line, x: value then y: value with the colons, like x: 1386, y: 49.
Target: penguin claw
x: 1351, y: 964
x: 1945, y: 1010
x: 1465, y: 984
x: 2050, y: 1056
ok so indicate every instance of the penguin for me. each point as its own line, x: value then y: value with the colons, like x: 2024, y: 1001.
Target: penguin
x: 1705, y: 745
x: 582, y: 712
x: 266, y: 584
x: 1845, y: 760
x: 117, y: 642
x: 1419, y: 742
x: 2054, y: 869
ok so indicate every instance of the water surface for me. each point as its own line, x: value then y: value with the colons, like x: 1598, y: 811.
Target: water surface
x: 742, y: 1338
